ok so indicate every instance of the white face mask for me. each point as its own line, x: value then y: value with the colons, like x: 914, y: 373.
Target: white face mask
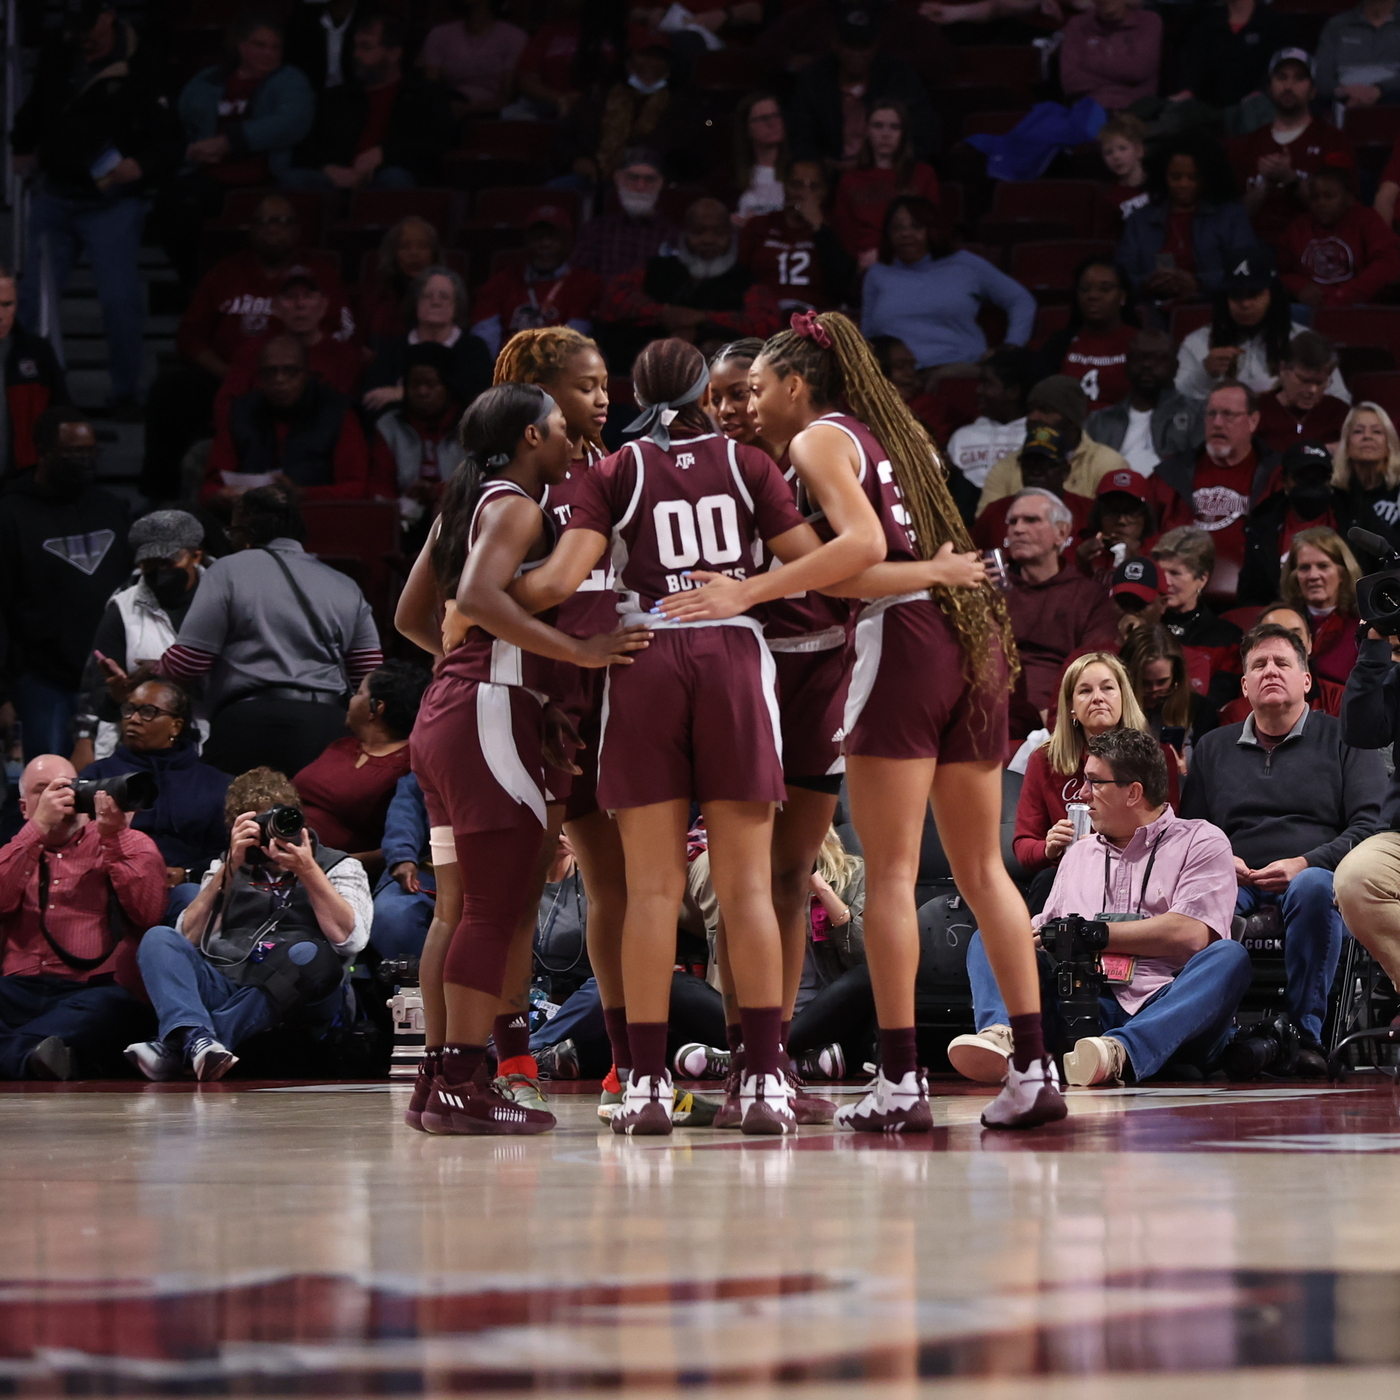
x: 646, y: 89
x: 640, y: 204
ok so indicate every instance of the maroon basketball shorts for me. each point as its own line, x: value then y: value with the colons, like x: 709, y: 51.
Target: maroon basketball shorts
x: 582, y: 700
x: 910, y: 695
x: 814, y: 675
x: 694, y: 718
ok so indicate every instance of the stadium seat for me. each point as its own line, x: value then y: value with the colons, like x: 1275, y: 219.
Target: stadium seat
x: 509, y: 207
x: 467, y: 170
x: 384, y: 208
x: 1048, y: 320
x: 956, y: 101
x: 313, y: 210
x: 520, y: 141
x: 481, y: 245
x: 1383, y: 388
x: 360, y: 539
x: 457, y: 260
x: 1186, y: 319
x: 1068, y: 202
x: 1366, y: 126
x: 728, y: 67
x: 1014, y: 66
x: 990, y: 123
x: 1047, y: 269
x: 1360, y: 325
x: 952, y: 200
x: 1243, y: 618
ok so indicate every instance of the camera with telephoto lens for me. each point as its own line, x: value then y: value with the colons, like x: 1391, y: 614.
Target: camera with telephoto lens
x: 1073, y: 944
x: 281, y: 822
x: 132, y: 792
x: 1267, y: 1047
x: 1378, y: 594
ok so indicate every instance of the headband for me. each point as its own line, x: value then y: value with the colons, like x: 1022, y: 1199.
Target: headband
x: 498, y: 460
x: 806, y: 325
x: 656, y: 419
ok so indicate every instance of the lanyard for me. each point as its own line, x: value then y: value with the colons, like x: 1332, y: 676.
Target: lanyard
x: 1146, y: 874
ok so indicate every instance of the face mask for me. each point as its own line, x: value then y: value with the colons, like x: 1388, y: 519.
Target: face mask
x: 68, y: 473
x: 639, y: 206
x: 169, y: 583
x: 1308, y: 502
x: 646, y: 89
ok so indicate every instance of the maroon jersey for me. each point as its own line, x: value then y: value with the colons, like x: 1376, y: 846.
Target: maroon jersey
x: 593, y: 608
x: 1097, y: 362
x: 877, y: 479
x: 482, y: 657
x: 785, y: 259
x: 705, y: 504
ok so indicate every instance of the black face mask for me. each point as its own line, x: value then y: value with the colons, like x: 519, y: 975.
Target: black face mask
x: 1310, y: 499
x: 69, y: 473
x: 169, y: 583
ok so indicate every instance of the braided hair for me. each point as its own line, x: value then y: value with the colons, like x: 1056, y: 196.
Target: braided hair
x: 490, y: 431
x: 849, y: 372
x: 539, y: 356
x: 664, y: 371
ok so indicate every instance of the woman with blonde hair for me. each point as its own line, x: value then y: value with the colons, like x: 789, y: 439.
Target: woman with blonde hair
x: 1319, y: 579
x: 1367, y: 468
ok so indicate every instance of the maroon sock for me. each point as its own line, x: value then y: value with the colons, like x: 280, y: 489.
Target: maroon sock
x: 734, y: 1034
x: 763, y: 1029
x: 899, y: 1052
x: 512, y: 1035
x: 648, y: 1041
x: 1030, y: 1041
x: 787, y: 1057
x: 615, y: 1019
x: 460, y: 1062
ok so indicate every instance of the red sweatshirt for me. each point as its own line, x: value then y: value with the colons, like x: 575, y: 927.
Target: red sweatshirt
x: 1307, y: 152
x: 1351, y: 261
x: 862, y: 198
x: 547, y: 301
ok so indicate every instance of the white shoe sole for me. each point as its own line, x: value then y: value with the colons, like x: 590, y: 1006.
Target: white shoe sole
x: 1089, y: 1066
x: 978, y: 1059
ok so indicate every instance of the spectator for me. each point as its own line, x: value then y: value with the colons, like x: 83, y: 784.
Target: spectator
x: 437, y: 302
x: 1389, y: 188
x: 158, y: 737
x: 1046, y: 464
x: 1321, y: 694
x: 383, y: 130
x: 405, y: 896
x: 761, y: 156
x: 292, y: 428
x: 1186, y: 974
x: 1305, y: 500
x: 546, y: 290
x: 1094, y: 697
x: 1156, y: 667
x: 300, y: 308
x: 475, y: 54
x: 415, y: 445
x: 63, y: 553
x: 1225, y: 56
x: 1339, y: 252
x: 1185, y: 558
x: 574, y: 49
x: 33, y: 379
x: 99, y: 127
x: 885, y: 167
x: 1249, y: 334
x: 139, y: 623
x: 1057, y: 402
x: 208, y: 994
x: 1123, y: 144
x: 835, y: 94
x: 700, y: 293
x: 1320, y: 575
x: 1358, y: 56
x: 68, y: 952
x: 320, y: 41
x: 1301, y: 407
x: 1367, y: 468
x: 278, y: 637
x: 345, y: 793
x: 1121, y: 525
x: 929, y: 294
x: 1288, y: 834
x: 1193, y: 218
x: 613, y: 244
x: 1093, y: 347
x: 241, y: 118
x: 1111, y: 54
x: 1055, y: 611
x: 411, y: 247
x: 1139, y: 595
x: 231, y: 304
x: 1273, y: 163
x: 1004, y: 379
x: 795, y: 253
x: 1155, y: 421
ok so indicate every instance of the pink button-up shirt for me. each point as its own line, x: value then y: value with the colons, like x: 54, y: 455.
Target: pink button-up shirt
x: 1192, y: 873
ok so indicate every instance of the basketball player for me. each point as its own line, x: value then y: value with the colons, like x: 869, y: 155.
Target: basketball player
x: 479, y: 744
x: 933, y: 657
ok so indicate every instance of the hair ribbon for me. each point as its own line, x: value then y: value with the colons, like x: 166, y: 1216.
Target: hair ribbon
x: 656, y: 419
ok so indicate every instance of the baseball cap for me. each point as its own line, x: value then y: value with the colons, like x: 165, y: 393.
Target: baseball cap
x: 1063, y: 394
x: 1248, y: 270
x: 1137, y: 578
x: 1304, y: 455
x: 1292, y: 56
x: 555, y: 215
x: 1044, y: 441
x: 1128, y: 482
x: 300, y: 276
x: 164, y: 533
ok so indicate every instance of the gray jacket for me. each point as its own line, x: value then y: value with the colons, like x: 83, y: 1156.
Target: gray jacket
x: 1353, y: 50
x: 1178, y: 424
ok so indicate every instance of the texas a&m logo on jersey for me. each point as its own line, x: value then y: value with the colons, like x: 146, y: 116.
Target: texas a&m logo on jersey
x: 685, y: 460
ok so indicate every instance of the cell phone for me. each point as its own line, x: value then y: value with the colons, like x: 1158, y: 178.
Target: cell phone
x: 1175, y: 735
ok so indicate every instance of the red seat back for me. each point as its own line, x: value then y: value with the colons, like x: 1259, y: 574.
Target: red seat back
x: 1360, y: 325
x: 1070, y: 202
x: 1049, y: 267
x: 384, y: 208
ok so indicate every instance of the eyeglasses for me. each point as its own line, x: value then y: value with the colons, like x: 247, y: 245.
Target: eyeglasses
x: 145, y: 713
x: 1094, y: 783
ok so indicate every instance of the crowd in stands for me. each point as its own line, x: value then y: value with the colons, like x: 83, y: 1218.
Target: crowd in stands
x: 1163, y: 372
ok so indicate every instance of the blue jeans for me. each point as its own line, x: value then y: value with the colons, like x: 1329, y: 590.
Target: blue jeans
x: 100, y: 1020
x: 1312, y: 946
x: 181, y: 897
x: 110, y: 229
x: 189, y: 993
x: 46, y: 713
x: 1188, y: 1019
x: 400, y: 920
x: 387, y: 177
x: 580, y: 1016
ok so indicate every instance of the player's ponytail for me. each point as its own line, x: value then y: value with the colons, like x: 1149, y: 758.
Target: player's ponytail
x: 669, y: 379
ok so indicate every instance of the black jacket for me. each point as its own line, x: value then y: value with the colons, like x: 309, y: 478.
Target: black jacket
x: 307, y: 453
x: 1262, y: 568
x: 817, y: 127
x: 1371, y: 712
x: 33, y: 381
x: 1179, y: 472
x: 60, y: 561
x: 474, y: 364
x: 74, y: 114
x: 1377, y: 511
x: 1221, y: 67
x: 418, y: 133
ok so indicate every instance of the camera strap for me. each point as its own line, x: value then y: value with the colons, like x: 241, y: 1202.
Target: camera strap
x: 1146, y: 874
x: 312, y: 617
x: 116, y: 924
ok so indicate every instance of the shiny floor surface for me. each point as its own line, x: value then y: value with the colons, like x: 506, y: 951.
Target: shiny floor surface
x: 283, y: 1240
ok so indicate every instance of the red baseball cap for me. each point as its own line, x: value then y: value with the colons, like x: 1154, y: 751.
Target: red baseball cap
x: 1123, y: 480
x: 553, y: 214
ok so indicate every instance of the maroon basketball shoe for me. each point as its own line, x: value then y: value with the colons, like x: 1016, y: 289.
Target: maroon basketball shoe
x: 807, y: 1108
x: 647, y: 1109
x: 474, y: 1110
x: 1027, y: 1099
x: 730, y: 1114
x: 890, y: 1107
x: 428, y: 1068
x: 765, y: 1102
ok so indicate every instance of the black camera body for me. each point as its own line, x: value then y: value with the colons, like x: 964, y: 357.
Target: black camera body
x: 281, y: 822
x: 1073, y: 945
x: 1266, y: 1048
x: 132, y: 792
x: 1378, y: 594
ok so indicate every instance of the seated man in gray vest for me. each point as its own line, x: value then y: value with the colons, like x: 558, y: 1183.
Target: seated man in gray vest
x: 265, y: 942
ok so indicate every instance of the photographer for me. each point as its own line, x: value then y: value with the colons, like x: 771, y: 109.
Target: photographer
x: 1166, y: 886
x: 264, y: 942
x: 75, y: 891
x: 1294, y: 798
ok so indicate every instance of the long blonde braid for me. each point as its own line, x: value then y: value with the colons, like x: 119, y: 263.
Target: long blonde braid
x: 538, y: 356
x: 849, y: 371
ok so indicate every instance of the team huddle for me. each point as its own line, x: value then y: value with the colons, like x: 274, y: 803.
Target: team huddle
x: 733, y: 617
